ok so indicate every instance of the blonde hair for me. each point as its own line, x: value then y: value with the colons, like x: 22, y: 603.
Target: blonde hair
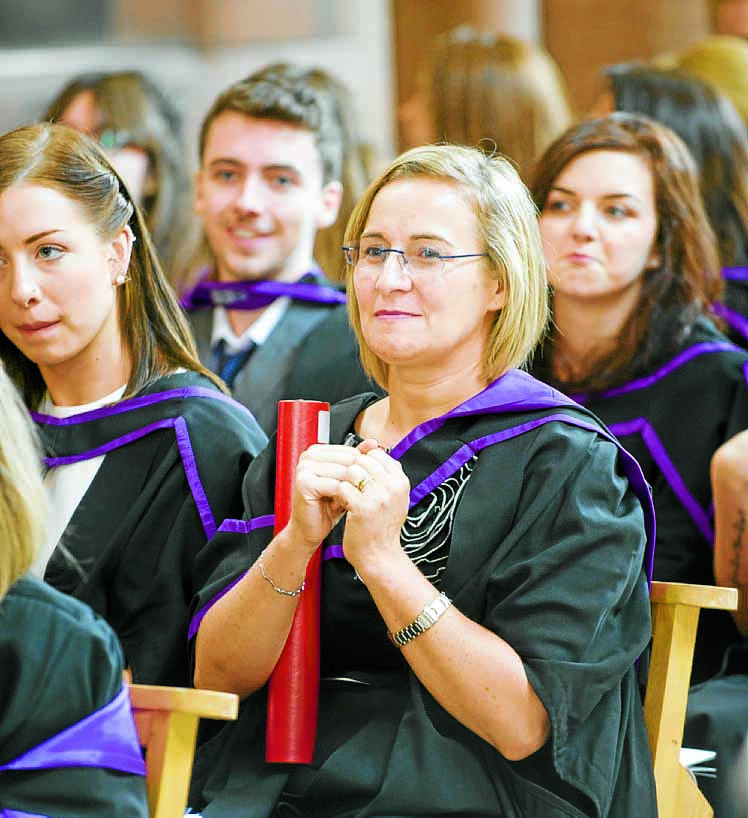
x: 507, y: 222
x: 496, y: 87
x: 23, y: 502
x: 722, y: 61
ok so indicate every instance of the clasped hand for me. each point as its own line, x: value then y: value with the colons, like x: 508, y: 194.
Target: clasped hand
x: 364, y: 482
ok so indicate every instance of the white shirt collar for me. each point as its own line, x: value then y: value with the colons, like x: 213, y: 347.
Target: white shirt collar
x: 47, y: 407
x: 257, y: 332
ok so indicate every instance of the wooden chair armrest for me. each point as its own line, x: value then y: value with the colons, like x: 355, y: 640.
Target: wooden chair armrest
x: 167, y: 720
x: 208, y: 704
x: 695, y: 596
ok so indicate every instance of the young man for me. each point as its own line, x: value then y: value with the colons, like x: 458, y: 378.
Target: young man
x: 270, y: 164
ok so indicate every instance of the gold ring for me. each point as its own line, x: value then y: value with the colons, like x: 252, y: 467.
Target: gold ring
x: 361, y: 485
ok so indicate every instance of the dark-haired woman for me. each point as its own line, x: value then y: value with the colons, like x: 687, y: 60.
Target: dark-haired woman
x: 144, y: 450
x: 633, y: 268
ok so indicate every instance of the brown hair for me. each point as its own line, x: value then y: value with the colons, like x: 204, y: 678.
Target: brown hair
x: 153, y: 327
x: 498, y: 88
x: 507, y: 222
x: 357, y: 159
x: 687, y: 280
x: 288, y: 94
x: 712, y: 130
x: 134, y: 109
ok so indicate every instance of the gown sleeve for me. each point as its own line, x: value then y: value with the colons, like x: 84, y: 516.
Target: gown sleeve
x: 569, y: 594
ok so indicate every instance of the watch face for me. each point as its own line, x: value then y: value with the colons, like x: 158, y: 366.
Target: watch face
x: 428, y: 617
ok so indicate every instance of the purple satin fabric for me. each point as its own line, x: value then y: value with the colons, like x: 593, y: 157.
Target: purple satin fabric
x: 181, y: 433
x: 254, y: 295
x: 466, y: 452
x: 684, y: 357
x: 660, y: 456
x: 735, y: 273
x: 186, y: 452
x: 107, y: 738
x: 130, y: 404
x: 234, y: 527
x: 702, y: 518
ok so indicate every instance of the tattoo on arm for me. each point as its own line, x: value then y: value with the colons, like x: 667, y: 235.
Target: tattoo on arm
x: 739, y: 558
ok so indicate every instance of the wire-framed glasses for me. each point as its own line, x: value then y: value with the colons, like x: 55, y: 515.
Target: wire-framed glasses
x: 419, y: 259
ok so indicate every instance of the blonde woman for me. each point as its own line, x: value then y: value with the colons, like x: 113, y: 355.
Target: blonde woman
x: 60, y: 667
x: 483, y: 595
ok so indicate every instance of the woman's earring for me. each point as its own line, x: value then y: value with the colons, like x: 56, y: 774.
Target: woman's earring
x: 121, y: 279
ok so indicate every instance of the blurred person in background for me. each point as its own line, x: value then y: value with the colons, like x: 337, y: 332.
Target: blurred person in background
x: 60, y: 666
x: 479, y: 86
x: 713, y: 132
x: 717, y: 716
x: 140, y: 129
x: 722, y: 61
x: 358, y: 170
x: 633, y: 268
x: 271, y: 161
x: 144, y: 451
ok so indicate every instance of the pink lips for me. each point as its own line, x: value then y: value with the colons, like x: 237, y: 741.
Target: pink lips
x: 394, y: 314
x: 36, y: 326
x: 581, y: 258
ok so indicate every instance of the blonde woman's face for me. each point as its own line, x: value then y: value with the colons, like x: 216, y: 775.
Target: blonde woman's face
x: 436, y: 321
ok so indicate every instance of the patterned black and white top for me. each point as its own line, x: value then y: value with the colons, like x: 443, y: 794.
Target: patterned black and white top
x: 427, y: 531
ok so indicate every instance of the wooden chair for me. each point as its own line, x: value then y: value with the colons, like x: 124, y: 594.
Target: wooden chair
x: 167, y: 720
x: 675, y: 615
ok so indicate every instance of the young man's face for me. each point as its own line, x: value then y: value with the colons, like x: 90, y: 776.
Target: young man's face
x: 260, y: 196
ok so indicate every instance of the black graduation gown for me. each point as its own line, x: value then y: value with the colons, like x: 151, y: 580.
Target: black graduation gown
x: 673, y: 421
x: 175, y: 458
x: 546, y: 551
x: 61, y: 667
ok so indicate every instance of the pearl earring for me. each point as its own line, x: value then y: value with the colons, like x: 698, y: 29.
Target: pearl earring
x: 121, y: 279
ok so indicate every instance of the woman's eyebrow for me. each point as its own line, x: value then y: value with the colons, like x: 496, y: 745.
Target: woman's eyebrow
x: 37, y: 236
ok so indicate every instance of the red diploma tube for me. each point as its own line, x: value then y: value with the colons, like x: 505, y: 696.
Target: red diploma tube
x: 293, y: 690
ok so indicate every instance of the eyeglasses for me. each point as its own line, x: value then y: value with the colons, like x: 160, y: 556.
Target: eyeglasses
x: 111, y: 139
x: 420, y: 260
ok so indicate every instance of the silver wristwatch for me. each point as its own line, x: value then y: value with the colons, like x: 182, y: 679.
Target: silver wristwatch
x: 428, y: 617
